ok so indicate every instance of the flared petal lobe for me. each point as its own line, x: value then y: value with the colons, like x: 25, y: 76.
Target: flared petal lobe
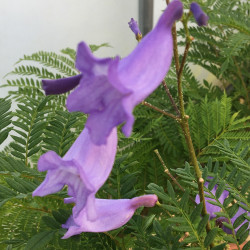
x: 84, y: 169
x: 200, y: 17
x: 110, y: 89
x: 111, y: 214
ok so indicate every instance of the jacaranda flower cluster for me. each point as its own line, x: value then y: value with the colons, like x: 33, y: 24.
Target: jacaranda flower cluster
x: 108, y: 90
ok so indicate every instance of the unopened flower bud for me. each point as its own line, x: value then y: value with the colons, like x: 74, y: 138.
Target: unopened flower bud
x: 200, y: 17
x: 133, y: 25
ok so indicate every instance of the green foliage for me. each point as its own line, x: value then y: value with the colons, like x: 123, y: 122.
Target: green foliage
x: 222, y: 48
x: 5, y: 117
x: 211, y: 123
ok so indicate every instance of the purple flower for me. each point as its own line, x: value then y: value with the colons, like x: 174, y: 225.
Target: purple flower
x: 111, y: 214
x: 200, y: 17
x: 84, y: 169
x: 212, y: 209
x: 108, y: 89
x: 133, y: 25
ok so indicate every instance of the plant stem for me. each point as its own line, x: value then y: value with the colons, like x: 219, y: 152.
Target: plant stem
x: 166, y: 170
x: 171, y: 98
x: 184, y: 58
x: 184, y: 118
x: 160, y: 110
x: 176, y: 53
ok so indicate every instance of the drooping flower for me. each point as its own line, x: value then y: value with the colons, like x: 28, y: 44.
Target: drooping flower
x: 108, y: 89
x: 213, y: 209
x: 84, y: 169
x: 133, y: 25
x: 111, y: 214
x: 200, y: 17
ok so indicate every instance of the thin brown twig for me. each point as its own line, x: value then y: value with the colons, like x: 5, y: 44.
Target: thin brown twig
x: 33, y: 208
x: 166, y: 170
x: 184, y: 58
x: 171, y: 98
x: 159, y: 110
x: 176, y: 54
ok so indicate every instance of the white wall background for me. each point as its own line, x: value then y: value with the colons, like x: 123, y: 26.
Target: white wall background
x: 27, y: 26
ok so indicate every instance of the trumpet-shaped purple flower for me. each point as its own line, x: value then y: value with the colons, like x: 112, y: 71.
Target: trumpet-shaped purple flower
x: 212, y: 209
x: 200, y: 17
x: 108, y: 89
x: 111, y: 214
x: 133, y: 25
x: 84, y: 169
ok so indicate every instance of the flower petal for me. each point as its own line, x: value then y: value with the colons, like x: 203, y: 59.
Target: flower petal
x: 88, y: 64
x: 94, y: 162
x: 111, y: 214
x: 60, y: 86
x: 212, y: 209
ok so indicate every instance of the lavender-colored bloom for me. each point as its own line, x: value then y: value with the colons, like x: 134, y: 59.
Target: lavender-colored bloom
x: 110, y: 89
x: 111, y: 214
x: 212, y: 209
x: 84, y: 168
x: 200, y: 17
x: 133, y: 25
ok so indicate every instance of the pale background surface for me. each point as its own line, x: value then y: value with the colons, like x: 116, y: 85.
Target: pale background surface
x: 28, y: 26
